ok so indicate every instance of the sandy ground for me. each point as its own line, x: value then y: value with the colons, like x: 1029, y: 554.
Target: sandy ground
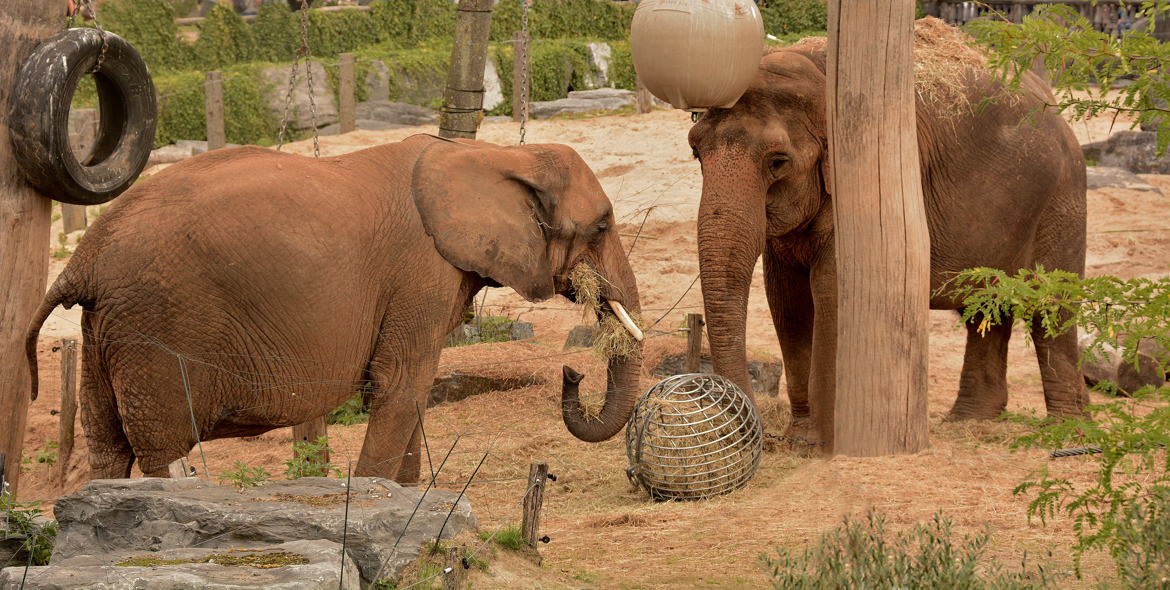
x: 603, y: 532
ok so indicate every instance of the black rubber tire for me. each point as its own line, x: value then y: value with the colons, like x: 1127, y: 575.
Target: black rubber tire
x: 38, y: 117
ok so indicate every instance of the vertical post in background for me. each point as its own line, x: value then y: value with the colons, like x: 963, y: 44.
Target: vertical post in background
x: 881, y: 238
x: 463, y: 98
x: 694, y: 342
x: 213, y: 83
x: 24, y: 230
x: 645, y: 99
x: 533, y: 501
x: 519, y: 66
x: 345, y: 88
x: 68, y: 405
x: 309, y: 432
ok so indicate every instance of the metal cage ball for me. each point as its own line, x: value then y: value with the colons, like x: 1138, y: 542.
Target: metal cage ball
x: 693, y: 436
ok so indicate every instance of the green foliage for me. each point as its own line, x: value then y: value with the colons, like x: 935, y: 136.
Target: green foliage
x: 1124, y: 508
x: 334, y: 33
x: 245, y: 477
x: 62, y: 250
x: 794, y: 16
x: 149, y: 25
x: 224, y: 39
x: 863, y: 555
x: 621, y: 66
x: 556, y: 67
x: 509, y: 537
x: 47, y: 455
x: 23, y: 520
x: 1084, y: 63
x: 277, y: 32
x: 182, y: 106
x: 353, y: 411
x: 306, y: 461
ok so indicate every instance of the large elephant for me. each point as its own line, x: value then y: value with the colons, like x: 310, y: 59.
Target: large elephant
x: 1003, y: 189
x: 255, y: 289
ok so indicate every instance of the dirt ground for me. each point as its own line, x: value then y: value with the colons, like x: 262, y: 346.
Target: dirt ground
x: 606, y: 534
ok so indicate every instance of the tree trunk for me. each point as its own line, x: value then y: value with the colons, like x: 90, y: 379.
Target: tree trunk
x: 882, y: 244
x: 24, y: 229
x: 463, y: 99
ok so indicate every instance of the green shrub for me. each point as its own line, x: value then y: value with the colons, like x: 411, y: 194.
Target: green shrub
x: 306, y: 461
x: 621, y: 66
x: 353, y: 411
x: 277, y: 32
x: 182, y: 106
x: 245, y: 477
x: 562, y: 19
x: 224, y: 39
x: 862, y: 555
x: 392, y: 20
x: 556, y: 67
x: 148, y: 25
x: 22, y: 521
x: 509, y: 537
x: 334, y: 33
x: 794, y: 16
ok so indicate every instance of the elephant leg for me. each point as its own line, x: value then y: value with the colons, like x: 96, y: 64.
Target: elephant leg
x: 110, y: 455
x: 410, y: 469
x: 790, y: 300
x: 822, y: 383
x: 1064, y: 387
x: 394, y: 436
x: 983, y: 383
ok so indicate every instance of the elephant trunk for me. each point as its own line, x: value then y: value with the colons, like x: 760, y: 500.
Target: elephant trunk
x: 731, y: 239
x: 624, y: 370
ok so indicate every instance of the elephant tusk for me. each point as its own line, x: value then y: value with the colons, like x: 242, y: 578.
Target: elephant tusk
x: 624, y: 318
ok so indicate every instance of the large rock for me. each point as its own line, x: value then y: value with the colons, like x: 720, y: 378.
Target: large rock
x: 1132, y: 150
x: 397, y: 113
x: 459, y: 385
x: 99, y: 572
x: 493, y: 93
x: 765, y: 376
x: 300, y: 115
x: 151, y: 514
x: 583, y: 101
x: 1111, y: 177
x: 600, y: 55
x: 378, y: 81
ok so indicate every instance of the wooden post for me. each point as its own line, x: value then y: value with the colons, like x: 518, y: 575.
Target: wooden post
x: 24, y: 230
x: 73, y: 217
x: 521, y: 89
x: 645, y: 99
x: 309, y: 432
x: 463, y: 99
x: 882, y: 244
x: 68, y: 405
x: 694, y: 341
x: 453, y: 579
x: 179, y: 468
x: 213, y: 83
x: 345, y: 88
x: 533, y: 500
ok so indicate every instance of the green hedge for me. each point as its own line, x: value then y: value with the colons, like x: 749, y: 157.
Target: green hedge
x: 782, y: 17
x: 182, y: 106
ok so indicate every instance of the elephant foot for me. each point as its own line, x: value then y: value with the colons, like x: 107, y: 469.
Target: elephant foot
x: 801, y: 437
x: 972, y: 411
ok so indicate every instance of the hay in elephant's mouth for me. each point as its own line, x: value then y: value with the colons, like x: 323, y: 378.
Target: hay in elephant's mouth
x: 613, y: 340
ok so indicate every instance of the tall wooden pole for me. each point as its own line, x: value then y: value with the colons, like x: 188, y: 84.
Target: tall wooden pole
x: 463, y: 99
x: 882, y: 244
x: 24, y: 229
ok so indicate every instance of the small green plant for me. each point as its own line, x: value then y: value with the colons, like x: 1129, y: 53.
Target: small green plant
x: 47, y: 455
x: 62, y: 250
x: 509, y: 537
x: 245, y: 477
x: 24, y: 520
x: 353, y: 411
x: 860, y: 554
x: 307, y: 460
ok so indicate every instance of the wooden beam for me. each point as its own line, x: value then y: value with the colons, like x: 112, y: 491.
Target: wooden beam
x: 347, y: 119
x: 213, y: 84
x: 24, y: 229
x: 463, y: 99
x: 881, y: 239
x: 68, y: 405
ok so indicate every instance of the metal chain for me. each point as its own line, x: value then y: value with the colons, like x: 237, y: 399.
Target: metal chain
x: 292, y: 80
x: 83, y: 6
x: 524, y: 71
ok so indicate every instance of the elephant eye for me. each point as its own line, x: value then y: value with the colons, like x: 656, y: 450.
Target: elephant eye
x: 778, y: 161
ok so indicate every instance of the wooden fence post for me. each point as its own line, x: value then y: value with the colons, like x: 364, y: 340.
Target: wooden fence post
x: 533, y: 500
x: 345, y: 87
x: 453, y: 579
x: 73, y: 217
x: 463, y: 98
x: 68, y: 405
x: 24, y: 230
x: 309, y: 432
x: 213, y: 83
x: 519, y: 63
x: 179, y: 468
x: 694, y: 341
x: 645, y: 99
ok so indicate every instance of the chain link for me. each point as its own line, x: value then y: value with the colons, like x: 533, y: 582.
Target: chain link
x: 524, y: 71
x: 292, y: 80
x: 82, y: 7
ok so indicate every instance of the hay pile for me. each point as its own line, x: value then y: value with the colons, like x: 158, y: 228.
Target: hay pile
x: 693, y: 437
x: 612, y: 340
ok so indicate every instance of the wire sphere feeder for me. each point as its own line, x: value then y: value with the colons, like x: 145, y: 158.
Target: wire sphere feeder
x: 692, y: 437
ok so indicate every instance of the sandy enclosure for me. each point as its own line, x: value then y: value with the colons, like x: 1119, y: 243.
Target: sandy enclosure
x: 604, y: 533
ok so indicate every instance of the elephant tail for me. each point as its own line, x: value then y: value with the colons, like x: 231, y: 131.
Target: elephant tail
x: 61, y: 293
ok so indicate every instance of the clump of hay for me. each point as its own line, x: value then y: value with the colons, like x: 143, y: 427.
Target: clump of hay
x: 693, y: 437
x: 613, y: 340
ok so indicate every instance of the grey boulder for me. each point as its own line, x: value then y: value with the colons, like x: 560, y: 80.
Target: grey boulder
x: 1111, y: 177
x: 1134, y: 151
x: 583, y: 101
x: 765, y: 376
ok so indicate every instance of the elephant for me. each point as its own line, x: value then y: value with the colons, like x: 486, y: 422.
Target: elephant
x: 247, y: 289
x: 1003, y: 184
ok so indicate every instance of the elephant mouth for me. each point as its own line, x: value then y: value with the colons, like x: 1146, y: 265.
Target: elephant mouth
x: 584, y: 288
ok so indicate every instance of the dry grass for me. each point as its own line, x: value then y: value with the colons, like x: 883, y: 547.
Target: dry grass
x: 613, y: 340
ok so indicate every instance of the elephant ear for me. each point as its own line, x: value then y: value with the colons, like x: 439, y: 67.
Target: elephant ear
x: 487, y: 208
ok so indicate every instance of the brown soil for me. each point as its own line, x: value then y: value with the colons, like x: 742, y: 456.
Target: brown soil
x: 603, y: 532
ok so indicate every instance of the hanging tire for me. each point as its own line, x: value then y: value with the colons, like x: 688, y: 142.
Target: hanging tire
x: 38, y: 117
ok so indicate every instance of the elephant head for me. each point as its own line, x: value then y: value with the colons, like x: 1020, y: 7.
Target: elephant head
x: 524, y: 217
x: 764, y: 165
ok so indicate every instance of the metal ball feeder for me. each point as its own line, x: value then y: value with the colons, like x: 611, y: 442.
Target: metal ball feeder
x: 692, y: 437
